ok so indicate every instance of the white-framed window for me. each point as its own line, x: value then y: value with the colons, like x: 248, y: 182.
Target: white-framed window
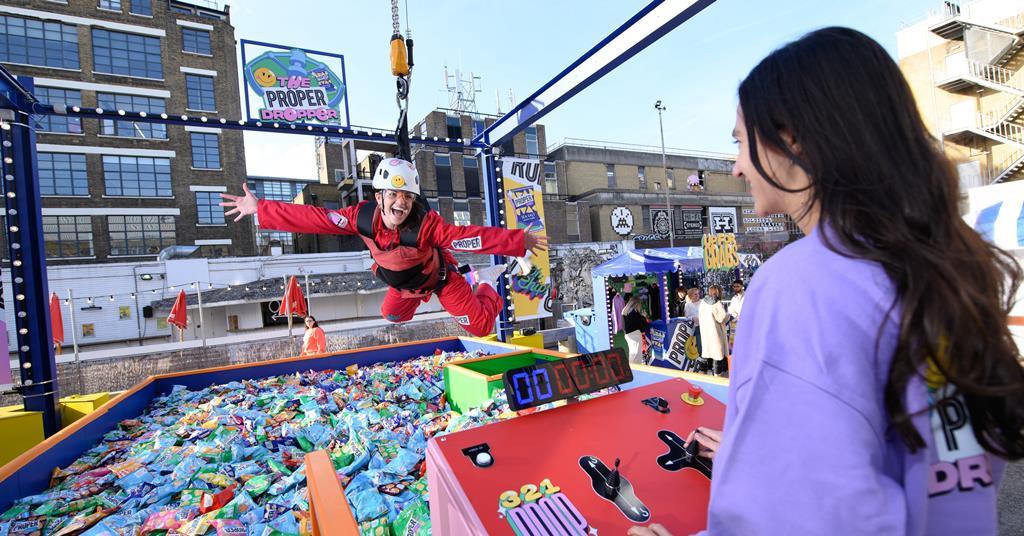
x: 67, y: 236
x: 133, y: 176
x: 205, y: 150
x: 140, y: 235
x: 127, y: 54
x: 62, y: 174
x: 58, y: 123
x: 196, y: 41
x: 532, y: 145
x: 572, y: 222
x: 208, y: 209
x: 141, y: 7
x: 113, y: 5
x: 132, y: 103
x: 34, y: 42
x: 199, y: 90
x: 641, y: 177
x: 550, y: 178
x: 460, y: 216
x: 610, y: 170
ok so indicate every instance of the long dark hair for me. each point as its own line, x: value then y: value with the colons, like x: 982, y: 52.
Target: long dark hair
x: 888, y: 194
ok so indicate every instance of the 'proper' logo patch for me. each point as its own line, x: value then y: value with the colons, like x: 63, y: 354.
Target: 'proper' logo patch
x: 339, y: 220
x: 463, y: 320
x: 468, y: 244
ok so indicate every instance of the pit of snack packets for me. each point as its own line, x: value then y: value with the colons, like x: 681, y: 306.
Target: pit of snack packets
x: 228, y: 459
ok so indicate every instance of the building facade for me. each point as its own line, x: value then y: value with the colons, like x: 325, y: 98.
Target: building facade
x: 965, y: 65
x: 619, y: 191
x: 118, y: 191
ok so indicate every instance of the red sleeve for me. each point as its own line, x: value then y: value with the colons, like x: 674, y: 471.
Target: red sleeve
x: 278, y: 216
x: 472, y: 238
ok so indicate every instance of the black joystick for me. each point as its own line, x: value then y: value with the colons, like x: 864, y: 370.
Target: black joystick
x: 611, y: 483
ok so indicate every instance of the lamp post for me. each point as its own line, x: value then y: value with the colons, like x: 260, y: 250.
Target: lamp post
x: 664, y: 169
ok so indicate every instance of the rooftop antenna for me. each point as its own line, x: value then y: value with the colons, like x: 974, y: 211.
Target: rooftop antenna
x: 461, y: 92
x: 497, y: 100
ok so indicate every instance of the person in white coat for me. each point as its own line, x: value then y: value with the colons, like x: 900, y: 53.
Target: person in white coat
x: 634, y: 325
x: 713, y: 337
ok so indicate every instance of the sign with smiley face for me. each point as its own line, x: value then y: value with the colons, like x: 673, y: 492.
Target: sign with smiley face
x: 294, y: 85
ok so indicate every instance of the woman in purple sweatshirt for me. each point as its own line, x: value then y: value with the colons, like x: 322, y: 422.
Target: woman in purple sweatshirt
x: 875, y: 387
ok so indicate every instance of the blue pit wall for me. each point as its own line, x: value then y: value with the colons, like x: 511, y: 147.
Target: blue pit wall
x: 29, y: 474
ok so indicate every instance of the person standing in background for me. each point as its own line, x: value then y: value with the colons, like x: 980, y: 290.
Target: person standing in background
x: 634, y: 324
x: 713, y: 336
x: 313, y: 340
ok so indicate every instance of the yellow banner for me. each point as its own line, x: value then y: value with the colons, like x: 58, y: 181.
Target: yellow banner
x: 720, y: 252
x: 524, y: 209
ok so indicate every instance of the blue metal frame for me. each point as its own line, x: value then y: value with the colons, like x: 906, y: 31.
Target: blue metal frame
x: 529, y: 111
x: 38, y: 366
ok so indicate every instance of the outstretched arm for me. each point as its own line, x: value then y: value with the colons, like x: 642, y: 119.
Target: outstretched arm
x: 478, y: 239
x: 290, y: 217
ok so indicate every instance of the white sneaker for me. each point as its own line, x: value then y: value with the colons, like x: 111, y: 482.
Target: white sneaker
x: 487, y: 275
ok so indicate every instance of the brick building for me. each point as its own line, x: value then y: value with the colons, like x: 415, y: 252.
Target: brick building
x: 964, y: 62
x: 116, y: 191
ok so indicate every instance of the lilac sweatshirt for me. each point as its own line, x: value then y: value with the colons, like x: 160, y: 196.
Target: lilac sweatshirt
x: 806, y: 448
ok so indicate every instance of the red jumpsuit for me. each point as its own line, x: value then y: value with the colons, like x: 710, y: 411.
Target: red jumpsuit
x: 475, y: 312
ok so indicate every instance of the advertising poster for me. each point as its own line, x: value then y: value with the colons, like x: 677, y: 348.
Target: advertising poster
x: 722, y: 220
x: 692, y: 225
x: 294, y: 85
x: 524, y: 208
x: 661, y: 221
x: 5, y: 369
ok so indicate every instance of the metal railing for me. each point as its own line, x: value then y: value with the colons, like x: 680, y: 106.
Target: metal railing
x: 989, y: 73
x: 639, y: 148
x: 1009, y: 164
x: 1003, y: 112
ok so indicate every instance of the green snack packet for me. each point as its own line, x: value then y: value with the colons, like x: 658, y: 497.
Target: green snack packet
x: 191, y: 497
x: 50, y: 508
x: 304, y: 444
x: 414, y: 520
x: 419, y: 488
x: 279, y: 467
x: 341, y: 458
x: 17, y: 510
x: 258, y: 485
x: 375, y: 527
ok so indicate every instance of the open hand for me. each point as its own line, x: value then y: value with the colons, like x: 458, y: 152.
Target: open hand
x: 243, y: 205
x: 535, y: 241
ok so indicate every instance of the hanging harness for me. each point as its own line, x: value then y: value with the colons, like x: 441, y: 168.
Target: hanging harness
x: 404, y: 266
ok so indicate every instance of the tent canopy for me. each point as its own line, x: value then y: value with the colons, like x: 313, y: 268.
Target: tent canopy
x: 1001, y: 223
x: 651, y: 261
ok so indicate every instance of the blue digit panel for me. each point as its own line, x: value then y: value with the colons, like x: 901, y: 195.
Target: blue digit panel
x: 541, y: 382
x: 522, y: 388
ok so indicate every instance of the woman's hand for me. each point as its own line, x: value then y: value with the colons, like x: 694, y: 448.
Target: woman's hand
x: 708, y: 441
x: 243, y: 205
x: 535, y: 241
x: 653, y: 529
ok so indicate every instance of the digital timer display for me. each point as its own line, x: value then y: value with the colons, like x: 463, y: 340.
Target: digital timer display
x: 550, y: 381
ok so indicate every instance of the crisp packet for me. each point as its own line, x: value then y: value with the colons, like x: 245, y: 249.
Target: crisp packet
x: 414, y: 520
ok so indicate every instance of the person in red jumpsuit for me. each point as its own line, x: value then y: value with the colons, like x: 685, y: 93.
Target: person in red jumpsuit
x: 410, y: 244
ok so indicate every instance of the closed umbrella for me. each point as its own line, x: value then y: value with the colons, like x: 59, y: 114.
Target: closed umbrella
x: 179, y: 314
x: 56, y: 322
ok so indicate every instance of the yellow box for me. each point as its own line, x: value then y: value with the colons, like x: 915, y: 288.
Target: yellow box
x: 75, y: 407
x: 533, y: 341
x: 21, y: 431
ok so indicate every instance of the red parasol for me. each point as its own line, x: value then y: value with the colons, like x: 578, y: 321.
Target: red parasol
x: 179, y: 316
x: 56, y: 321
x: 293, y: 302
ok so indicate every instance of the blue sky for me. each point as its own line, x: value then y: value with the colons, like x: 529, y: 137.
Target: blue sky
x: 519, y: 45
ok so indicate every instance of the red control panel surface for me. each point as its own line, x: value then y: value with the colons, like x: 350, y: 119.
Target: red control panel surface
x: 552, y: 472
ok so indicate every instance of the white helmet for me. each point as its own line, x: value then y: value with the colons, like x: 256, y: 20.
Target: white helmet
x: 396, y: 174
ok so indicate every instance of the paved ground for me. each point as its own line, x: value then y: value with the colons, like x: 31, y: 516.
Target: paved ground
x: 1011, y: 501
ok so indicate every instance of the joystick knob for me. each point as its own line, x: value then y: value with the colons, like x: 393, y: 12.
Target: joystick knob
x: 611, y: 483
